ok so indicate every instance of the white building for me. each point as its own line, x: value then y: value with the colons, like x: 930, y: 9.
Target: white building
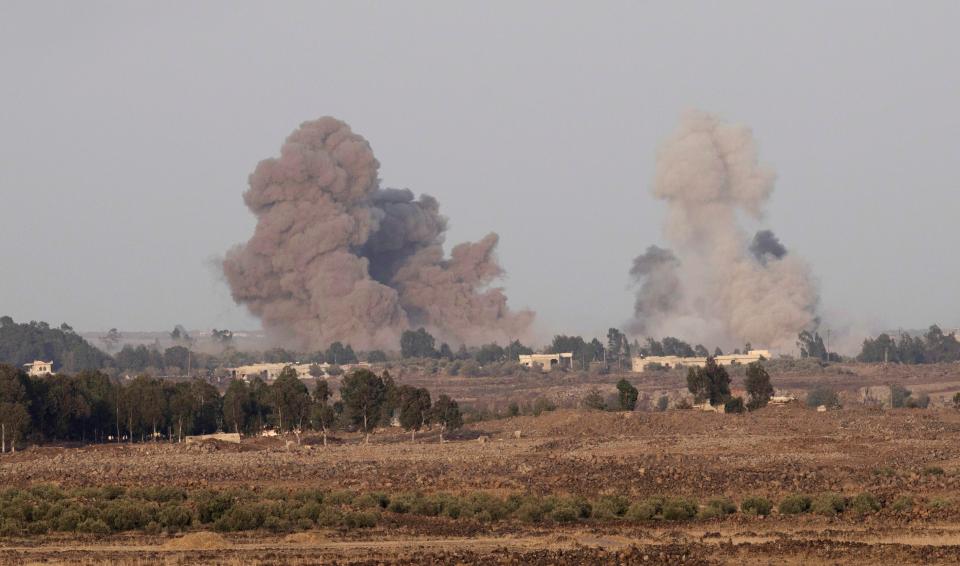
x: 547, y: 361
x: 640, y: 362
x: 39, y: 368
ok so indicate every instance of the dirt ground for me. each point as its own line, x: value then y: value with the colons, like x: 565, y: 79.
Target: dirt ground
x: 772, y: 452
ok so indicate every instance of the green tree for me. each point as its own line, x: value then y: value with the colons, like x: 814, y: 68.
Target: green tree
x: 322, y: 413
x: 899, y: 395
x: 710, y: 383
x: 362, y: 392
x: 446, y: 413
x: 379, y: 357
x: 417, y: 344
x: 290, y: 400
x: 414, y: 409
x: 627, y: 395
x: 14, y: 407
x: 757, y: 384
x: 237, y: 406
x: 338, y: 354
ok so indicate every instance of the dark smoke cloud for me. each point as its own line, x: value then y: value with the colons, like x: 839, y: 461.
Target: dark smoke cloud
x: 766, y: 245
x: 656, y: 272
x: 710, y: 288
x: 335, y: 257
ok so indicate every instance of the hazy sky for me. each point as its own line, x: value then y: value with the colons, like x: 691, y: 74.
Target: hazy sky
x: 128, y: 129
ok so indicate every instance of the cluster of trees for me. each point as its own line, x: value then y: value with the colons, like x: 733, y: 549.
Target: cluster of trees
x: 90, y: 406
x: 934, y: 346
x: 23, y: 343
x: 811, y: 345
x: 420, y: 344
x: 711, y: 383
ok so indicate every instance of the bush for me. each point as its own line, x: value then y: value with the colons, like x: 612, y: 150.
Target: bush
x: 175, y: 517
x: 610, y: 507
x: 69, y: 520
x: 566, y: 512
x: 679, y: 509
x: 662, y: 403
x: 328, y: 517
x: 93, y: 527
x: 124, y: 515
x: 400, y: 504
x: 734, y: 405
x: 242, y: 517
x: 722, y: 504
x: 643, y: 511
x: 756, y: 506
x: 360, y: 519
x: 864, y: 503
x: 594, y: 400
x: 828, y: 504
x: 933, y: 471
x: 794, y: 504
x: 902, y: 503
x: 939, y: 503
x: 823, y: 396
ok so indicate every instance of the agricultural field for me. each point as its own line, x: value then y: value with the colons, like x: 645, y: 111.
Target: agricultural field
x: 858, y: 485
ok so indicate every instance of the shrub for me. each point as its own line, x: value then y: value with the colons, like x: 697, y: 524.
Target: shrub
x: 794, y: 504
x: 643, y: 511
x: 864, y: 503
x: 69, y: 520
x: 93, y: 527
x: 242, y: 517
x: 277, y: 524
x: 328, y: 517
x: 400, y: 504
x: 939, y: 503
x: 566, y: 512
x: 211, y: 507
x: 174, y: 517
x: 124, y: 515
x: 933, y: 471
x: 756, y: 506
x: 610, y: 507
x: 722, y: 504
x: 10, y: 527
x: 374, y: 499
x: 360, y: 519
x: 885, y: 471
x: 734, y: 405
x: 594, y: 400
x: 902, y: 503
x: 679, y: 509
x: 662, y: 403
x: 828, y: 504
x: 531, y: 511
x: 823, y: 395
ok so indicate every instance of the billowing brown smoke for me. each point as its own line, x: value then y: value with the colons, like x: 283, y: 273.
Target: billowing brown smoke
x: 335, y: 257
x: 716, y: 286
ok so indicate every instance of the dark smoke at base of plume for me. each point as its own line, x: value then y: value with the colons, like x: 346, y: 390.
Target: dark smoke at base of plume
x: 336, y: 258
x: 716, y: 285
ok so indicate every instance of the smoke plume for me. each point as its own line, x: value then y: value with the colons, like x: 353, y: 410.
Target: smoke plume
x: 336, y: 257
x: 716, y: 285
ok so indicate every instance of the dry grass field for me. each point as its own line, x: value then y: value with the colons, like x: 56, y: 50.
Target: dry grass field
x: 908, y: 459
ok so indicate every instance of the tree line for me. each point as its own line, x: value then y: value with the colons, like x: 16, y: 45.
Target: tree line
x: 933, y: 347
x: 90, y: 406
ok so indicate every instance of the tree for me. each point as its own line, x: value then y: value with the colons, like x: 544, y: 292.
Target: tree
x: 322, y: 413
x: 627, y: 395
x: 260, y: 402
x: 363, y: 394
x: 489, y: 353
x: 446, y: 413
x: 757, y: 384
x: 811, y: 345
x: 414, y: 408
x: 237, y: 406
x: 147, y: 405
x: 379, y: 357
x: 316, y: 371
x: 112, y: 339
x: 180, y: 336
x: 177, y: 357
x: 180, y: 407
x: 223, y: 337
x: 337, y: 354
x: 417, y: 344
x: 290, y: 400
x: 710, y: 383
x: 14, y: 404
x: 701, y: 351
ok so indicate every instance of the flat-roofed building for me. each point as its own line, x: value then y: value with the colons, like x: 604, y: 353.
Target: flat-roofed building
x: 547, y: 361
x: 640, y: 363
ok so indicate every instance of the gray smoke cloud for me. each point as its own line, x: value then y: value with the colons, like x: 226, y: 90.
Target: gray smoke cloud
x: 766, y: 245
x: 716, y: 285
x: 336, y: 257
